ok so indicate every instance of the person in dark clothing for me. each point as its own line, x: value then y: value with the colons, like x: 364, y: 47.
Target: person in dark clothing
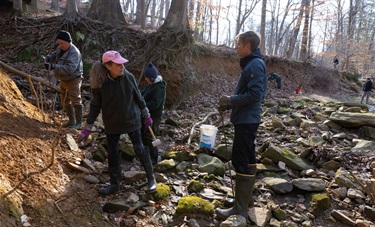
x: 277, y: 78
x: 245, y: 103
x: 115, y: 93
x: 154, y: 96
x: 367, y: 87
x: 335, y: 62
x: 66, y: 63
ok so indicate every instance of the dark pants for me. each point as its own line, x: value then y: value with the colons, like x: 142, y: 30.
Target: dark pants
x: 147, y: 139
x: 243, y: 152
x: 114, y: 157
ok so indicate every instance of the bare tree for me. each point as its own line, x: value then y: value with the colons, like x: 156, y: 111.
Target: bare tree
x: 107, y: 11
x: 305, y: 32
x: 242, y: 15
x: 55, y: 5
x: 177, y: 18
x: 263, y: 27
x: 293, y: 39
x: 71, y: 11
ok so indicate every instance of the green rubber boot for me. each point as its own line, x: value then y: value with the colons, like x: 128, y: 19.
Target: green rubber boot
x: 70, y: 113
x: 78, y: 117
x: 243, y: 196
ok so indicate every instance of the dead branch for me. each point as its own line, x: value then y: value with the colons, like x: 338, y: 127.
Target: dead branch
x: 28, y: 77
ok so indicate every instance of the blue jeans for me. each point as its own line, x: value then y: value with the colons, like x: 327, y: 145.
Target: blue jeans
x: 243, y: 152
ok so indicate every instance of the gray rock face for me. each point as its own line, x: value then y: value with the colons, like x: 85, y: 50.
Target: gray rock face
x: 349, y: 120
x: 309, y: 184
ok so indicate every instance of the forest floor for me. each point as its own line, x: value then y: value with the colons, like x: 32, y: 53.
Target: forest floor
x: 54, y: 195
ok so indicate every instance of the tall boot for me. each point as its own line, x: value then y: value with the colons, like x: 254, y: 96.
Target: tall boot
x: 78, y: 116
x: 115, y: 178
x: 145, y: 159
x: 70, y: 113
x: 243, y: 193
x: 154, y: 154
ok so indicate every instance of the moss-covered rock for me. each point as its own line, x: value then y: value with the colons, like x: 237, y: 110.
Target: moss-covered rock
x: 195, y: 186
x: 177, y: 155
x: 194, y: 205
x: 162, y: 192
x: 319, y: 202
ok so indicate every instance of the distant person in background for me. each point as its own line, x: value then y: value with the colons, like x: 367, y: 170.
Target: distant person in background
x: 154, y: 96
x: 335, y: 62
x: 66, y: 63
x: 298, y: 90
x: 277, y: 78
x: 367, y: 87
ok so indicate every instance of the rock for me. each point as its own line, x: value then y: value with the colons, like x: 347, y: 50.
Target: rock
x: 194, y: 205
x: 91, y: 179
x: 364, y: 146
x: 210, y: 165
x: 286, y: 156
x: 278, y: 185
x: 234, y: 221
x: 72, y: 144
x: 319, y: 203
x: 309, y: 184
x: 351, y: 120
x: 260, y: 215
x: 338, y: 215
x: 224, y: 151
x: 77, y: 167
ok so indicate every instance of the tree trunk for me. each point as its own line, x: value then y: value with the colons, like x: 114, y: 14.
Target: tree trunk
x: 161, y: 13
x: 107, y: 11
x: 138, y: 13
x: 197, y: 23
x: 263, y: 27
x: 71, y: 11
x: 153, y: 12
x: 55, y: 5
x: 293, y: 39
x: 177, y: 18
x: 17, y: 5
x: 143, y: 14
x: 305, y: 33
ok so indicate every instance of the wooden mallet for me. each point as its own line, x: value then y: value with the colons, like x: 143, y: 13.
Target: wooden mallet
x: 155, y: 142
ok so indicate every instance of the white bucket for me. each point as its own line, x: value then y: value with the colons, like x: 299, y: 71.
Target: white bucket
x: 208, y: 136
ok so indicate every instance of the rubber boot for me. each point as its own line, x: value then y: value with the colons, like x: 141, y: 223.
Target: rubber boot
x: 115, y: 178
x: 78, y: 116
x: 243, y: 193
x: 70, y: 113
x: 114, y: 166
x: 145, y: 159
x: 154, y: 155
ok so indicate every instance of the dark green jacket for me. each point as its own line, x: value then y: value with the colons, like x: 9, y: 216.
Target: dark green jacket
x: 120, y: 102
x: 154, y: 96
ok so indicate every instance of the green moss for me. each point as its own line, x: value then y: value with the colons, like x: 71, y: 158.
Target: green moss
x: 177, y: 155
x: 289, y: 154
x: 319, y: 202
x: 162, y: 192
x: 14, y: 211
x: 195, y: 186
x: 194, y: 205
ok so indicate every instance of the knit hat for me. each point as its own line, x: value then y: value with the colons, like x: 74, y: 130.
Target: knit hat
x: 151, y: 72
x: 64, y: 35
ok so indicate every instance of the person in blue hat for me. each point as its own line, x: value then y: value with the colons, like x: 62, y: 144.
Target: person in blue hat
x: 154, y: 95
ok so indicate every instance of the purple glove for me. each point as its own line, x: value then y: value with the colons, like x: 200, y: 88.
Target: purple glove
x: 84, y: 135
x: 148, y: 122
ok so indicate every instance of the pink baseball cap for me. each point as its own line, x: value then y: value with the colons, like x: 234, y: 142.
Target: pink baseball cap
x: 113, y: 56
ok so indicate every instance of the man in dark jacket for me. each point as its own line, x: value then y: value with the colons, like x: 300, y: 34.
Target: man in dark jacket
x: 277, y: 78
x: 367, y: 87
x: 245, y: 103
x: 154, y: 96
x: 66, y: 63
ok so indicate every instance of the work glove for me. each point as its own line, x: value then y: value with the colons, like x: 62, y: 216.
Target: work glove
x: 224, y: 103
x: 84, y: 135
x: 49, y: 66
x: 148, y: 122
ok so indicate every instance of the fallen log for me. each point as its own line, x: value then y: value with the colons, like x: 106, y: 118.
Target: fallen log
x: 29, y: 77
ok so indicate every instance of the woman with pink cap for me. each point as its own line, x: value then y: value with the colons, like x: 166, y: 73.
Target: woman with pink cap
x: 115, y: 93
